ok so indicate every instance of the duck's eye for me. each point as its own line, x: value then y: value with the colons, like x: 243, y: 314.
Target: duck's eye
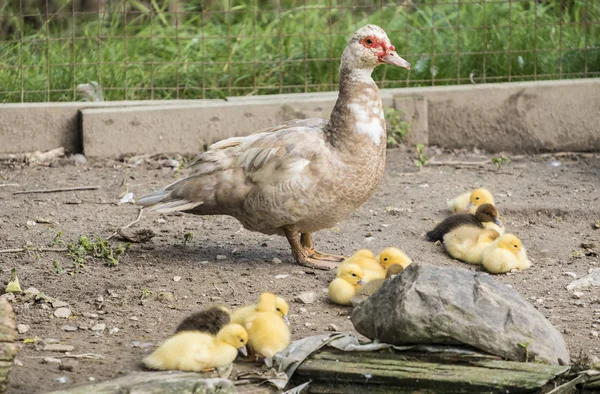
x: 477, y: 198
x: 516, y: 246
x: 353, y: 274
x: 278, y: 309
x: 241, y: 340
x: 369, y: 41
x: 385, y: 259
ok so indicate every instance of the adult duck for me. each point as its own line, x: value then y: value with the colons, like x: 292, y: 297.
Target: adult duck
x: 302, y: 176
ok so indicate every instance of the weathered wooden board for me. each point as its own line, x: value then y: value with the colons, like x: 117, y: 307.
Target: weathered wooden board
x: 333, y: 371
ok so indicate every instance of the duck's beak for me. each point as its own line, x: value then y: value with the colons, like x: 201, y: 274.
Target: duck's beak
x: 498, y: 222
x: 286, y: 320
x: 469, y: 206
x: 244, y: 351
x: 392, y: 58
x: 361, y: 282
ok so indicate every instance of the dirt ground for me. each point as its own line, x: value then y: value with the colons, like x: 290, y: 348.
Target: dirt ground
x: 550, y: 203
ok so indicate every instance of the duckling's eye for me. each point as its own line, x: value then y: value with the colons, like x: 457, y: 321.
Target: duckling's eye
x: 385, y: 259
x: 278, y: 309
x: 516, y: 246
x: 477, y: 198
x: 241, y: 340
x: 353, y: 274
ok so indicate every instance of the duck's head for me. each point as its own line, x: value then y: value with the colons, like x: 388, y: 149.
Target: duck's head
x: 488, y: 213
x: 369, y: 47
x: 282, y: 308
x: 352, y: 274
x: 364, y: 253
x: 480, y: 196
x: 234, y: 335
x: 391, y: 256
x: 511, y: 243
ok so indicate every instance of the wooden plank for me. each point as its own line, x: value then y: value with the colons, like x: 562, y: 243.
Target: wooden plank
x: 385, y: 371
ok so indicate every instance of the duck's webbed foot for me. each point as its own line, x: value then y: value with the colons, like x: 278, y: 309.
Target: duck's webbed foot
x: 305, y: 254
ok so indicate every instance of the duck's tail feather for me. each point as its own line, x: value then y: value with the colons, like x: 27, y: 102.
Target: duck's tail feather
x: 163, y: 201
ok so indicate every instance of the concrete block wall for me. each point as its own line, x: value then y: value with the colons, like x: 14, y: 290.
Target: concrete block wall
x: 512, y: 117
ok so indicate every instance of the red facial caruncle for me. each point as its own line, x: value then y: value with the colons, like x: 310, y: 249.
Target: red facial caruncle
x: 388, y: 51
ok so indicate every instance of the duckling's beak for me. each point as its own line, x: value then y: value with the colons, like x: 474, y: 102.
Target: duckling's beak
x: 244, y: 351
x: 286, y: 320
x: 469, y: 206
x: 361, y: 282
x: 498, y: 222
x: 394, y: 59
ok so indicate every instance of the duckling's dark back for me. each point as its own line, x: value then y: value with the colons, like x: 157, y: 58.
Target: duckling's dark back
x: 452, y: 222
x: 210, y: 320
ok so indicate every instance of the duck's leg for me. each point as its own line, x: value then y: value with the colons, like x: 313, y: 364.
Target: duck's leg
x: 307, y: 244
x: 302, y: 255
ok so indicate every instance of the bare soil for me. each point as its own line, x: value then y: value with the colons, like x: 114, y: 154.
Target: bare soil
x: 551, y: 207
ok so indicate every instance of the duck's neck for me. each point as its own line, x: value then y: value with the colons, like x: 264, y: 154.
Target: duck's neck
x: 358, y: 114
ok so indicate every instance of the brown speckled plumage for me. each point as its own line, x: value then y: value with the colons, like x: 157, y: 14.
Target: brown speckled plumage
x: 209, y: 320
x: 302, y: 176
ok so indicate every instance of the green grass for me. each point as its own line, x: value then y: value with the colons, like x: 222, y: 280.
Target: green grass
x: 295, y: 49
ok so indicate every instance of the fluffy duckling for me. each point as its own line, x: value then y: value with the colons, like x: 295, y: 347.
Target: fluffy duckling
x: 467, y: 243
x: 343, y: 288
x: 366, y: 260
x: 392, y: 256
x: 267, y: 302
x: 210, y: 320
x: 196, y: 351
x: 486, y: 213
x: 505, y: 254
x: 268, y: 334
x: 468, y: 202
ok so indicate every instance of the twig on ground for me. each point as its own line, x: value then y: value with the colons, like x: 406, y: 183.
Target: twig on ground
x: 18, y: 250
x: 139, y: 217
x: 219, y: 290
x: 64, y: 189
x: 8, y: 184
x: 232, y: 289
x: 457, y: 163
x: 91, y: 356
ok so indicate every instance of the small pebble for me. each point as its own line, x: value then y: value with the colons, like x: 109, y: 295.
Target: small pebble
x: 160, y: 221
x: 282, y: 276
x: 577, y: 294
x: 306, y: 298
x: 59, y: 304
x: 176, y: 278
x: 99, y: 327
x: 68, y: 328
x: 594, y: 334
x: 307, y: 324
x: 276, y: 260
x: 52, y: 360
x: 44, y: 307
x: 331, y: 327
x: 165, y: 297
x: 22, y: 328
x: 221, y: 257
x: 134, y: 318
x: 92, y: 379
x: 113, y: 331
x: 90, y: 315
x: 303, y: 310
x: 62, y: 312
x: 571, y: 274
x: 49, y: 341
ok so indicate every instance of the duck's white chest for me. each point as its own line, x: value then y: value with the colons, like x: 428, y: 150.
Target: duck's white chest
x: 369, y: 117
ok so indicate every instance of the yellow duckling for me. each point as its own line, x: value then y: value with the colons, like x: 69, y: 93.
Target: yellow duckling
x: 467, y: 243
x: 505, y: 254
x: 391, y: 256
x: 468, y: 202
x: 268, y: 334
x: 197, y: 351
x: 344, y: 287
x: 370, y: 288
x: 366, y: 260
x: 240, y: 315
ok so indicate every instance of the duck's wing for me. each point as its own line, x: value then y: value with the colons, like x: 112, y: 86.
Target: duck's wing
x: 452, y: 222
x: 286, y: 156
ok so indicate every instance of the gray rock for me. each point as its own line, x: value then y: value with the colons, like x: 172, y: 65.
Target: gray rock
x: 62, y: 312
x: 427, y: 304
x: 52, y: 360
x: 90, y: 315
x: 57, y: 347
x: 99, y: 327
x: 22, y: 328
x: 68, y: 328
x: 592, y: 279
x: 306, y: 298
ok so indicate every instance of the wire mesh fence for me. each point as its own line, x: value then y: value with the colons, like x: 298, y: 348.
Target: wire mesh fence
x: 176, y: 49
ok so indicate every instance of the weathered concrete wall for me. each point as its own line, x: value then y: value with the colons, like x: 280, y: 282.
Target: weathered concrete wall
x: 514, y: 117
x: 28, y: 127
